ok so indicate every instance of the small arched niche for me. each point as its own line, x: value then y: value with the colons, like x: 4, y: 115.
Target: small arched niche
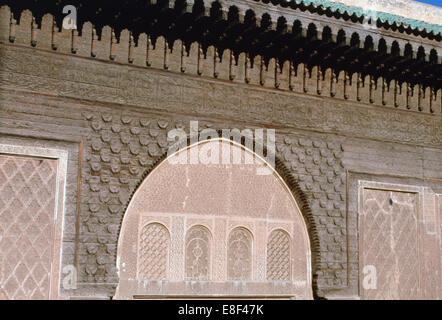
x: 198, y: 209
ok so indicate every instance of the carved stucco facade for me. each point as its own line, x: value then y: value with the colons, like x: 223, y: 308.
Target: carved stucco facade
x: 112, y: 119
x: 234, y: 231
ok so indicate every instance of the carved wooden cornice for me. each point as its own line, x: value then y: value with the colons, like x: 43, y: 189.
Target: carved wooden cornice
x: 266, y: 30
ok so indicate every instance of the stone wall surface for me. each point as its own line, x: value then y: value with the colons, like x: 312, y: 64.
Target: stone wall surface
x: 113, y: 117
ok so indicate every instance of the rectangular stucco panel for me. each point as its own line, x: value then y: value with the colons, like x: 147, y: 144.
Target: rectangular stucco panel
x: 27, y: 204
x: 389, y: 243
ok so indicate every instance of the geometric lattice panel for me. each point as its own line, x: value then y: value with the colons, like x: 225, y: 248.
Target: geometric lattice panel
x: 278, y: 256
x: 154, y: 252
x: 389, y: 244
x: 27, y: 204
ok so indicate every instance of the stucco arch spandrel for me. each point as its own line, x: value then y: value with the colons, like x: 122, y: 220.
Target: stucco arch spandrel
x: 218, y: 196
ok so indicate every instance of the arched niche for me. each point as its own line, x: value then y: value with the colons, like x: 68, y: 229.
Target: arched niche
x: 219, y: 199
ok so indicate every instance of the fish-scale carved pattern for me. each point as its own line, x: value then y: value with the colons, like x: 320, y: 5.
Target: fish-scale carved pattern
x: 117, y: 152
x: 318, y: 168
x: 122, y: 149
